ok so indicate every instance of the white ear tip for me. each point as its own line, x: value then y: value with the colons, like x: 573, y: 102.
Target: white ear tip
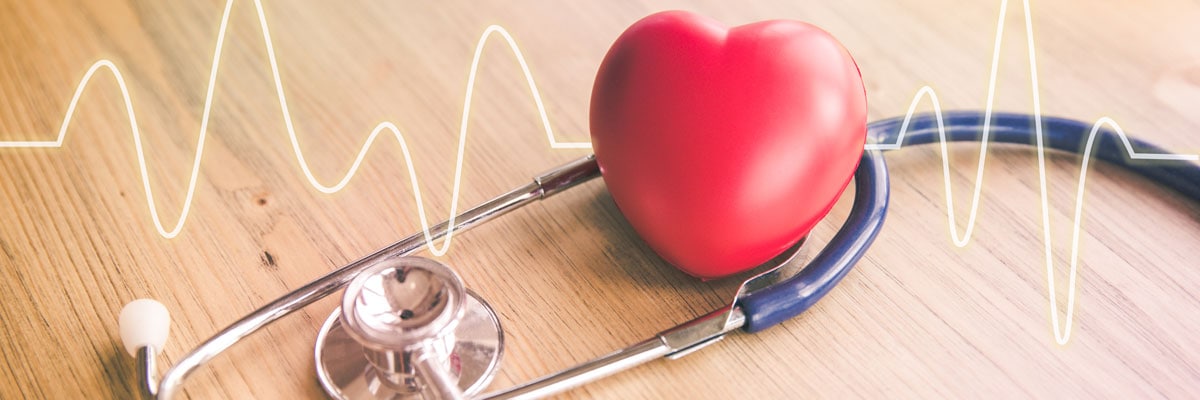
x: 144, y: 322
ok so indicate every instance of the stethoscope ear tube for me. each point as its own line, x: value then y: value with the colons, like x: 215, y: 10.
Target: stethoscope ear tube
x: 1063, y: 134
x: 769, y: 306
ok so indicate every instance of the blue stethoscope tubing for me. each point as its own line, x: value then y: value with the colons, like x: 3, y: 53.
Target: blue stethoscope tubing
x: 780, y: 302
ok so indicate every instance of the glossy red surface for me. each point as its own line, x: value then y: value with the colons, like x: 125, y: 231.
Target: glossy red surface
x: 725, y: 146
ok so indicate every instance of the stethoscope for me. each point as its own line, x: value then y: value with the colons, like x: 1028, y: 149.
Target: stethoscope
x: 408, y: 328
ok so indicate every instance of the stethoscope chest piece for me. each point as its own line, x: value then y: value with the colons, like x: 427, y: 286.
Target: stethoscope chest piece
x: 407, y: 328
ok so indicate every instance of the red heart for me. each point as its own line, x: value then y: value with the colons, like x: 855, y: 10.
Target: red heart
x: 723, y: 147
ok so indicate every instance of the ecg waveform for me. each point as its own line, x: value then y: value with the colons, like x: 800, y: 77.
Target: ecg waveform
x: 1062, y: 333
x: 382, y: 127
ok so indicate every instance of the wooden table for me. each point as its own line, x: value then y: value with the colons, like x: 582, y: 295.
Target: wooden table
x: 919, y: 317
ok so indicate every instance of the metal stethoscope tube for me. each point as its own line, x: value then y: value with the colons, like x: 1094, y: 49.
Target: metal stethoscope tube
x: 544, y: 186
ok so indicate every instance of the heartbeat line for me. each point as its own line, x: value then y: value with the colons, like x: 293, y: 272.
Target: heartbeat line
x: 1062, y: 333
x: 382, y: 127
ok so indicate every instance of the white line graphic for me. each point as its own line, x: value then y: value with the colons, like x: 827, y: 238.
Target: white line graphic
x: 385, y: 126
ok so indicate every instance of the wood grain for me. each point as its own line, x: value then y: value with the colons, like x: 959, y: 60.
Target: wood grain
x: 918, y: 318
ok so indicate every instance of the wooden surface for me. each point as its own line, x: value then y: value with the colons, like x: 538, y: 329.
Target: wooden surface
x: 919, y: 317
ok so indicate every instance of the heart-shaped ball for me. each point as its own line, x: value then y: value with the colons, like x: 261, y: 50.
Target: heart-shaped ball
x: 725, y: 146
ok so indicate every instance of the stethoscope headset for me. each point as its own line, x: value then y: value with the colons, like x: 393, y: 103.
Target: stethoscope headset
x: 408, y: 327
